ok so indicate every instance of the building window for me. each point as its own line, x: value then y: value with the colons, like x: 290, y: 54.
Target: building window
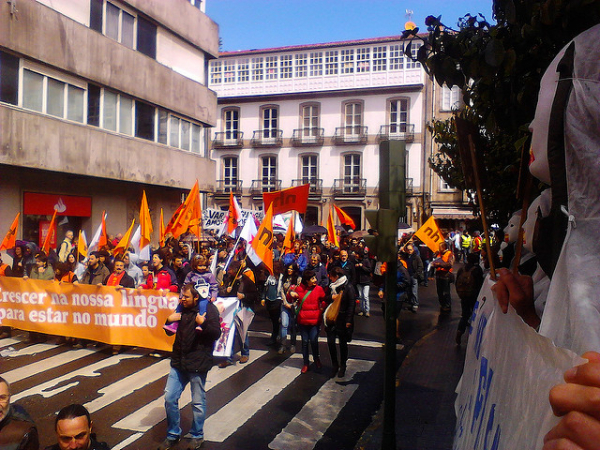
x: 229, y: 71
x: 144, y: 120
x: 310, y: 170
x: 353, y: 118
x: 231, y: 124
x: 285, y: 63
x: 9, y: 78
x: 396, y: 57
x: 178, y: 132
x: 94, y: 97
x: 257, y: 69
x: 352, y: 173
x: 230, y: 173
x: 271, y: 67
x: 363, y: 59
x: 379, y: 58
x: 398, y: 116
x: 450, y: 98
x: 120, y: 25
x: 115, y: 111
x: 331, y: 62
x: 146, y: 37
x: 216, y: 72
x: 412, y: 63
x: 270, y: 117
x: 347, y: 59
x: 444, y: 186
x: 316, y: 64
x: 52, y: 96
x: 301, y: 65
x: 310, y: 121
x: 269, y: 173
x: 243, y: 70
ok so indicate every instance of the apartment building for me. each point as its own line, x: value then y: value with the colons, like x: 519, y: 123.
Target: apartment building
x: 316, y: 114
x: 100, y: 100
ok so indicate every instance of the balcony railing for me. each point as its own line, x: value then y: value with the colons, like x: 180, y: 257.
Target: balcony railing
x: 398, y: 132
x: 228, y: 139
x: 267, y: 138
x: 350, y: 135
x: 308, y: 137
x: 316, y: 185
x: 224, y: 187
x: 265, y: 185
x: 350, y: 187
x: 408, y: 187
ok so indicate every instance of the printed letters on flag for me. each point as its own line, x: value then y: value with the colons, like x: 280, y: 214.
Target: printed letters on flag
x: 263, y: 241
x: 430, y: 234
x: 295, y: 198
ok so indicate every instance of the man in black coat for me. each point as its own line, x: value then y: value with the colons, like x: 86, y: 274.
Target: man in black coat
x: 191, y: 360
x: 17, y: 430
x: 73, y: 426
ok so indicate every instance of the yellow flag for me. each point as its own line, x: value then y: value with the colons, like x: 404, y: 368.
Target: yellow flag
x: 82, y: 247
x: 430, y: 234
x: 123, y: 244
x: 263, y: 241
x: 145, y: 222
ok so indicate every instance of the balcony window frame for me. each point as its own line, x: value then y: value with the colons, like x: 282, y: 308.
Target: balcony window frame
x: 271, y: 67
x: 286, y: 63
x: 232, y: 178
x: 363, y: 59
x: 257, y: 68
x: 312, y: 130
x: 355, y: 128
x: 351, y: 186
x: 268, y: 180
x: 450, y: 98
x: 380, y: 58
x: 316, y: 64
x: 402, y: 126
x: 243, y: 72
x: 312, y: 180
x: 231, y: 126
x: 301, y: 65
x: 269, y: 125
x: 347, y: 61
x: 332, y: 62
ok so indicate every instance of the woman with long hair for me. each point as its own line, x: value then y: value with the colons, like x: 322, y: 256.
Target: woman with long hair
x: 290, y: 280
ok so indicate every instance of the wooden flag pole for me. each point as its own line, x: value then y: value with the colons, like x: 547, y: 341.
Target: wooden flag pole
x: 481, y: 207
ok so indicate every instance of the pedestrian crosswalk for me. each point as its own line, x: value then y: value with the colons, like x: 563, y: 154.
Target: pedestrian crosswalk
x: 124, y: 393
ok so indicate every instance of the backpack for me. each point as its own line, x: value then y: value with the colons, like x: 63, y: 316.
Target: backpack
x: 466, y: 286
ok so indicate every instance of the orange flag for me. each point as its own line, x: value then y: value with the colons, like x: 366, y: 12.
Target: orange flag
x: 10, y: 240
x: 103, y: 241
x: 290, y: 235
x: 162, y: 230
x: 234, y: 215
x: 263, y: 241
x: 290, y: 199
x: 196, y: 220
x: 82, y: 247
x: 430, y: 234
x: 173, y: 220
x: 186, y: 212
x: 123, y: 244
x: 344, y: 218
x: 145, y: 222
x: 331, y: 234
x: 51, y: 230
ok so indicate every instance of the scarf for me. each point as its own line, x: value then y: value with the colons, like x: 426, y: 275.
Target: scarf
x: 338, y: 283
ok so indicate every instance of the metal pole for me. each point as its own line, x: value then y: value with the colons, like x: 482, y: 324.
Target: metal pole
x: 389, y: 378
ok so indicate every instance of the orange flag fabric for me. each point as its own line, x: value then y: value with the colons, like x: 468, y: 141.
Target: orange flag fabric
x: 123, y: 244
x: 430, y: 234
x: 51, y: 230
x: 263, y: 241
x: 161, y: 230
x: 173, y: 220
x: 234, y: 215
x: 10, y: 240
x: 290, y: 235
x: 196, y: 220
x: 331, y: 234
x: 290, y: 199
x: 103, y: 241
x: 186, y: 212
x: 145, y: 222
x: 82, y: 248
x: 344, y: 218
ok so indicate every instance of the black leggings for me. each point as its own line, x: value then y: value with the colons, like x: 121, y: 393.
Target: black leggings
x: 332, y: 333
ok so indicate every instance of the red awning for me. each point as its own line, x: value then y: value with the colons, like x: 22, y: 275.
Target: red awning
x: 65, y: 205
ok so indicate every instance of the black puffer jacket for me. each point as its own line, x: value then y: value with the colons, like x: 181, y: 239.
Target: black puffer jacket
x: 192, y: 350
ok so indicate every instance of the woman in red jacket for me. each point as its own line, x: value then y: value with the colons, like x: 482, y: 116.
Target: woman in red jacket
x: 310, y: 301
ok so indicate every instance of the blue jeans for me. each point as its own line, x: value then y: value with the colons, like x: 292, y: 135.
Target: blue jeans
x: 244, y: 347
x: 288, y: 321
x: 176, y: 383
x: 413, y: 291
x: 309, y: 334
x: 363, y: 295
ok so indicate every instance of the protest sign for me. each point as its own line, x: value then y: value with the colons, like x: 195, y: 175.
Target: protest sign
x: 228, y: 307
x: 509, y: 370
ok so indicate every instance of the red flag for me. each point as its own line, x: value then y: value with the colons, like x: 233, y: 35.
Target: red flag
x: 103, y: 241
x: 331, y: 234
x: 295, y: 198
x: 344, y: 218
x: 145, y: 222
x: 51, y: 230
x: 263, y: 241
x: 234, y: 215
x: 288, y: 242
x: 10, y: 240
x: 162, y: 231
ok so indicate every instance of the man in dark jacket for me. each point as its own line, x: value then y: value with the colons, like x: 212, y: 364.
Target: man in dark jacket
x: 414, y: 265
x: 190, y: 362
x: 96, y: 272
x: 319, y: 269
x: 73, y: 426
x: 119, y: 278
x: 17, y: 430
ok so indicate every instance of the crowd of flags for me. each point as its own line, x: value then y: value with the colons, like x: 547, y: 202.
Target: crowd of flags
x: 188, y: 217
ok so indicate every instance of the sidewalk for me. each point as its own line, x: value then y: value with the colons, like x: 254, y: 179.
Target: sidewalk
x: 426, y: 380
